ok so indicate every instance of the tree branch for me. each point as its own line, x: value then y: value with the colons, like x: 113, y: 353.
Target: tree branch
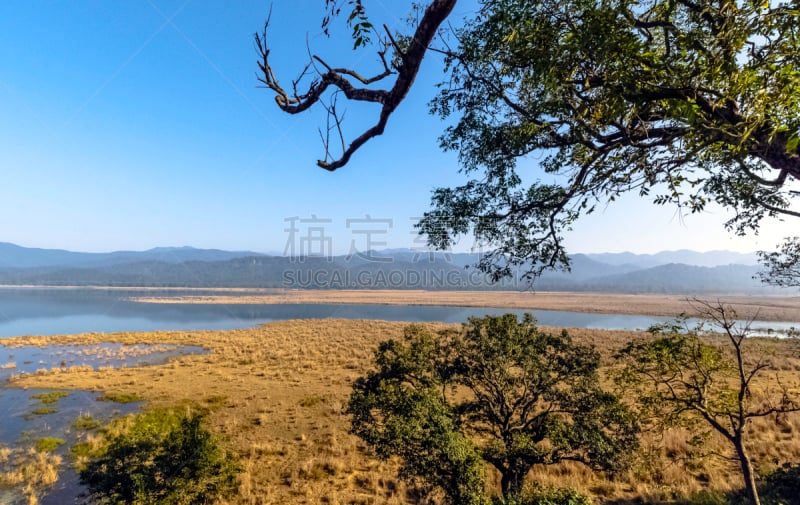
x: 410, y: 61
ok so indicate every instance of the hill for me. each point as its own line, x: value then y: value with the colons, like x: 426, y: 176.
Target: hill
x: 710, y: 272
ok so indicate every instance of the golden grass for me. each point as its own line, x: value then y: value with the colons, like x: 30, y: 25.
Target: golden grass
x: 277, y: 395
x: 30, y: 470
x: 766, y: 308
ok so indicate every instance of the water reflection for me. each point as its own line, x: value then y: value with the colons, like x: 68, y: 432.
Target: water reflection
x: 49, y: 312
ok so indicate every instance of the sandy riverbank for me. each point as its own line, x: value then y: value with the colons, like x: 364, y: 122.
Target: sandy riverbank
x: 765, y: 308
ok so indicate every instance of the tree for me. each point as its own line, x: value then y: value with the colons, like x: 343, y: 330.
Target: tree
x: 499, y: 391
x: 163, y: 457
x: 691, y: 100
x: 782, y: 267
x: 684, y: 378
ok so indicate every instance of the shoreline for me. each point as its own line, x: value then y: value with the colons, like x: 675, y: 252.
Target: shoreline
x: 775, y: 308
x: 763, y: 308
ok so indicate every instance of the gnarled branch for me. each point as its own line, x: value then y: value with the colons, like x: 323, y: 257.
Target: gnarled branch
x: 409, y: 62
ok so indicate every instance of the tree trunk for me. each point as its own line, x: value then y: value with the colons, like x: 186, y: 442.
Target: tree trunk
x: 511, y: 482
x: 747, y: 471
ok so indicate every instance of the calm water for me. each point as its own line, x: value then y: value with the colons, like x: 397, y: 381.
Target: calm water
x: 49, y: 312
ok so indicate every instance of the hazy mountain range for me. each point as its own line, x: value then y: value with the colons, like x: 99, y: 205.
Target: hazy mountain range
x: 665, y: 272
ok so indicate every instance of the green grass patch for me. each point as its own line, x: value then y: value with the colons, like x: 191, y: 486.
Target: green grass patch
x: 43, y: 411
x: 81, y: 450
x: 85, y: 422
x: 50, y: 397
x: 119, y: 398
x: 49, y: 444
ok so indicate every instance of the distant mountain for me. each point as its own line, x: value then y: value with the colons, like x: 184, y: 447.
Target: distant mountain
x: 687, y: 257
x: 14, y: 256
x: 388, y: 269
x: 682, y: 279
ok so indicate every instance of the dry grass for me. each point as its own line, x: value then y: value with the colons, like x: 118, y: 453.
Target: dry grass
x: 277, y: 394
x: 30, y: 470
x: 766, y: 308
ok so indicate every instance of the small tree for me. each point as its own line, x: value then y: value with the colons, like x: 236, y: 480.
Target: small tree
x: 782, y: 267
x: 164, y: 457
x: 684, y: 378
x: 500, y: 392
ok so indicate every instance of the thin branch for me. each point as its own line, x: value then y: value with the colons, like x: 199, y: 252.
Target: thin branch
x: 410, y: 62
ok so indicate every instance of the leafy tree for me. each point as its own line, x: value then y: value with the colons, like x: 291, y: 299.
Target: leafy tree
x: 690, y: 100
x: 782, y: 267
x: 164, y: 457
x: 685, y: 379
x: 499, y: 391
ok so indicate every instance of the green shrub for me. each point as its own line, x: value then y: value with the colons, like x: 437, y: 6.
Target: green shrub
x: 163, y: 457
x: 545, y: 496
x: 782, y: 486
x: 81, y: 449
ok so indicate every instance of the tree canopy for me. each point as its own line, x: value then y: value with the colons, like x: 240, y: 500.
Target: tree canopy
x: 782, y: 267
x: 683, y: 101
x: 499, y: 392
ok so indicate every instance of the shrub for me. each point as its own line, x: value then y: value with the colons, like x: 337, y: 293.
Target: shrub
x: 545, y: 496
x: 162, y: 457
x: 783, y: 486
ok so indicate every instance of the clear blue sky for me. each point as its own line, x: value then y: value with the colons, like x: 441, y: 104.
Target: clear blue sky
x: 135, y: 124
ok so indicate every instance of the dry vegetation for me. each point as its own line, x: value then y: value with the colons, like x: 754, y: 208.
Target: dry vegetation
x: 277, y: 393
x: 28, y: 469
x: 766, y: 308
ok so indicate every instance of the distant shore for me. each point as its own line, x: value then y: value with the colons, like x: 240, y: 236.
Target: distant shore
x: 757, y: 307
x: 764, y: 308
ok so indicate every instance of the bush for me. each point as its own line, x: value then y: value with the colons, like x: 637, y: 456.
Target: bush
x: 545, y: 496
x: 783, y: 486
x: 163, y: 457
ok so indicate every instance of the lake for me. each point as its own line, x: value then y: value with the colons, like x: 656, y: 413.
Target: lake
x: 66, y: 311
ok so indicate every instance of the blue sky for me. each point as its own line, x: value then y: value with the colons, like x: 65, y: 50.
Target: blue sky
x: 136, y: 124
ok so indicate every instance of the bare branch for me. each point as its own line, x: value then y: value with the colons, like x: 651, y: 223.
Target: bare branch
x: 406, y: 71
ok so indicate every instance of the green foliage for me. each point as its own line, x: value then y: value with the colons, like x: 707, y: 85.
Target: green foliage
x: 782, y: 486
x: 357, y: 20
x: 85, y: 422
x: 498, y: 392
x: 400, y: 411
x: 81, y: 449
x: 43, y: 411
x: 684, y: 102
x: 163, y: 457
x: 545, y: 496
x: 49, y: 444
x: 681, y: 378
x: 50, y: 397
x: 119, y: 398
x: 782, y: 267
x: 681, y: 367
